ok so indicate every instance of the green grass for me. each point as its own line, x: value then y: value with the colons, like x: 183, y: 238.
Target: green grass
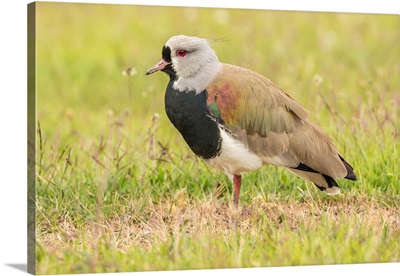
x: 119, y: 190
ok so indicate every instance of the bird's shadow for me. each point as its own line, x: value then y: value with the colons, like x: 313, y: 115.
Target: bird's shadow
x: 21, y: 267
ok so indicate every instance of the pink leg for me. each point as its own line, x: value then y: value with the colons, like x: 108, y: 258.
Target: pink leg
x: 237, y: 181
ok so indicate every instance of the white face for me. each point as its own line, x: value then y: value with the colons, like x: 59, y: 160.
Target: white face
x: 194, y: 62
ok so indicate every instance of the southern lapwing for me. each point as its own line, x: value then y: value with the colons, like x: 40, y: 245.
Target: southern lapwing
x: 237, y: 120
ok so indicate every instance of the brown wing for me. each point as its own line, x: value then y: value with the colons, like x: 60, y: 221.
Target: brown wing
x: 252, y: 102
x: 269, y: 122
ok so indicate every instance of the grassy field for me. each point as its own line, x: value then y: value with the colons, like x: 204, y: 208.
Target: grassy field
x: 119, y: 190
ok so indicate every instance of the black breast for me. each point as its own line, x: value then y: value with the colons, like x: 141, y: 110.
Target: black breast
x: 189, y: 114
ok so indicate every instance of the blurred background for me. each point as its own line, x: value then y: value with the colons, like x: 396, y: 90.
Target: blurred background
x: 348, y: 60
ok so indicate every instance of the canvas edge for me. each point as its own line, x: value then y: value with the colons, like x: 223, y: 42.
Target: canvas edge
x: 31, y: 133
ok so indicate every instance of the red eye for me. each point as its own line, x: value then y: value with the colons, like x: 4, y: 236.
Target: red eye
x: 181, y: 53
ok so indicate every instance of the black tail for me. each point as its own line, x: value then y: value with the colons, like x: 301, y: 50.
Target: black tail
x: 329, y: 180
x: 350, y: 172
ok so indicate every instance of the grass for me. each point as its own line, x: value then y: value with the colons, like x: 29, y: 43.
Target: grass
x: 118, y: 189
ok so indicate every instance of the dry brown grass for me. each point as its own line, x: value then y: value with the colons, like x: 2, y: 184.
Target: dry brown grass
x: 160, y: 222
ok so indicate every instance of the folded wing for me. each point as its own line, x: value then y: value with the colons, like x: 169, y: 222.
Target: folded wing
x: 272, y: 125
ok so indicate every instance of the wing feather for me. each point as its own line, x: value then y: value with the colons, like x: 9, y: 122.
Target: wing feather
x: 269, y: 122
x: 253, y: 102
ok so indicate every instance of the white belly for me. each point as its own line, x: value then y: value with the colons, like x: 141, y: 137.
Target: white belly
x: 235, y: 158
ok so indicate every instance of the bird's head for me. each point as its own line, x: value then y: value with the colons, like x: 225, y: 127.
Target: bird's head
x: 190, y: 62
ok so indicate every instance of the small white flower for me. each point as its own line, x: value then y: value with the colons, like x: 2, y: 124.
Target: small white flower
x: 130, y: 71
x: 317, y: 79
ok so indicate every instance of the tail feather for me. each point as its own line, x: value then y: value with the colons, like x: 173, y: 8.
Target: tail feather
x: 323, y: 182
x: 333, y: 187
x: 350, y: 171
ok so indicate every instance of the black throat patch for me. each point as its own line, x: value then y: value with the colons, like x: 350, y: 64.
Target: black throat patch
x: 169, y: 70
x: 166, y: 53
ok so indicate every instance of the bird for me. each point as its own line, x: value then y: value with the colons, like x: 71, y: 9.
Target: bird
x: 237, y: 120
